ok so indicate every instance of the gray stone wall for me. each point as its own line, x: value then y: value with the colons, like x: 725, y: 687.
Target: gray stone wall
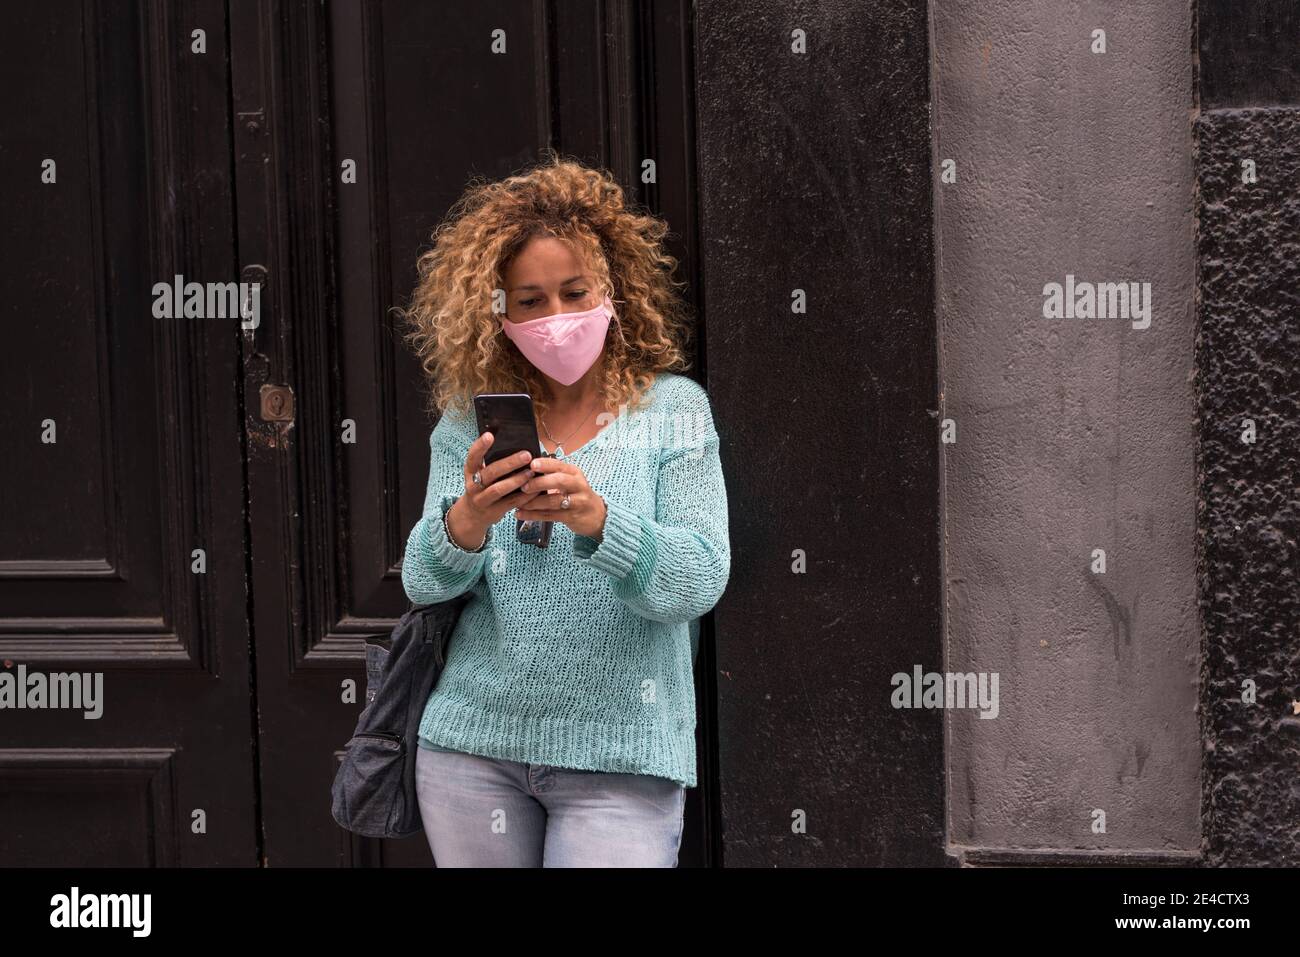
x: 1072, y: 434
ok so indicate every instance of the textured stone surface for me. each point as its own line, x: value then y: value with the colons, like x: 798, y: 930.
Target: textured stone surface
x: 1249, y: 55
x: 814, y: 174
x: 1072, y: 434
x: 1248, y: 358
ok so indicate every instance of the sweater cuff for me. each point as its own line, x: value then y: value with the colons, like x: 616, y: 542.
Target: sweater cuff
x: 622, y: 542
x: 447, y: 551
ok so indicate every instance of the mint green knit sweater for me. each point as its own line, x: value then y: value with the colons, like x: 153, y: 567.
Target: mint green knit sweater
x: 579, y: 655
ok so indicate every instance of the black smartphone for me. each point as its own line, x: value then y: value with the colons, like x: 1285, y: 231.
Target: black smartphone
x: 509, y: 417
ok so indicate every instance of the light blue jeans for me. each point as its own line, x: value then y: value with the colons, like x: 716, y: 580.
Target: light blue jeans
x: 487, y: 812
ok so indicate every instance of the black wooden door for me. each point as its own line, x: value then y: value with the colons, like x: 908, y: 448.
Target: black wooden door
x: 122, y: 525
x: 410, y: 96
x: 211, y: 517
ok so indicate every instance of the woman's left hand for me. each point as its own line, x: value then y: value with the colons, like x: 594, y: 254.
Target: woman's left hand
x: 586, y: 512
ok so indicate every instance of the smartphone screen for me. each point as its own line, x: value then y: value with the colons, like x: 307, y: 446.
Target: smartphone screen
x: 509, y: 417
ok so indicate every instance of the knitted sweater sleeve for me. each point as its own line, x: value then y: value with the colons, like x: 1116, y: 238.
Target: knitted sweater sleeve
x: 433, y: 568
x: 671, y: 567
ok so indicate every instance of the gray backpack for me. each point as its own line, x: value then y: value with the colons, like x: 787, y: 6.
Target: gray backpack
x: 374, y: 788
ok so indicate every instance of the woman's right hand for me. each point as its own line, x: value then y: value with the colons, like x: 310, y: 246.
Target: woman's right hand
x: 480, y: 508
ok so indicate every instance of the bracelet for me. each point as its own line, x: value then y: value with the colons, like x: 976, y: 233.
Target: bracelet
x: 447, y: 531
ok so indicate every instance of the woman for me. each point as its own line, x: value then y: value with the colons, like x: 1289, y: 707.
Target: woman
x: 561, y: 732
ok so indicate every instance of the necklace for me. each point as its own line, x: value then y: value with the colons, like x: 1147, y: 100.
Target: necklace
x: 559, y: 448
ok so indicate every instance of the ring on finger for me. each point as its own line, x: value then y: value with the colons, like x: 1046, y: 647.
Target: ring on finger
x: 478, y: 479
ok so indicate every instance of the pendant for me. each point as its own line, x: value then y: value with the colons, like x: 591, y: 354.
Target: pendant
x: 559, y: 451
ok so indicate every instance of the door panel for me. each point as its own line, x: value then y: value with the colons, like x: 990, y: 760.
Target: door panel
x: 101, y: 525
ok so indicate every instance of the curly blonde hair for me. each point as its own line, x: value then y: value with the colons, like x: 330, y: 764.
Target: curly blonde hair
x: 457, y: 337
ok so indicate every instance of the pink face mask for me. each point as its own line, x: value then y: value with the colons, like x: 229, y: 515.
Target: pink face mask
x: 564, y: 345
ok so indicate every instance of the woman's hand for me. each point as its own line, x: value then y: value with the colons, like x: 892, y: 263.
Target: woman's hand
x: 556, y: 479
x: 482, y: 507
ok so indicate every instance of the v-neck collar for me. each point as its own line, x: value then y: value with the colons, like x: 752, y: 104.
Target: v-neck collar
x: 603, y: 434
